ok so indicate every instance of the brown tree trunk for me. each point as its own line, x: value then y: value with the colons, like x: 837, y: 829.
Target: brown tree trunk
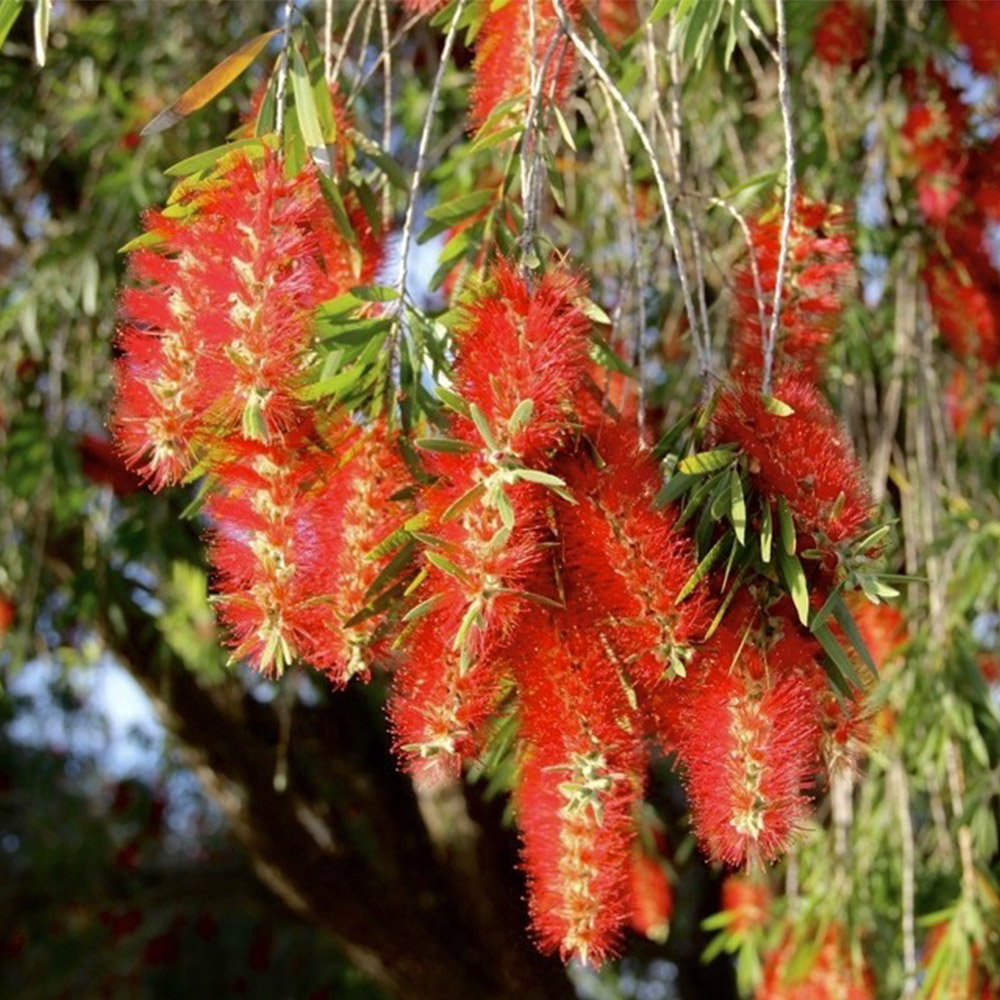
x: 424, y: 896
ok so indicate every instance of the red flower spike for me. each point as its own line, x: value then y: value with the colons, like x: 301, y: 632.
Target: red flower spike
x: 625, y: 562
x: 504, y: 59
x: 652, y: 898
x: 832, y: 975
x: 882, y: 627
x: 618, y: 19
x: 977, y: 25
x: 354, y: 513
x: 520, y: 343
x: 264, y: 545
x: 819, y: 269
x: 842, y: 35
x: 748, y: 741
x: 439, y: 706
x: 216, y: 337
x: 748, y: 900
x: 805, y: 458
x: 580, y: 780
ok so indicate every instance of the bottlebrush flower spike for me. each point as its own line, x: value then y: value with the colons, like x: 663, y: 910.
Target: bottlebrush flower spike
x: 976, y: 23
x: 618, y: 19
x: 964, y: 291
x: 748, y: 741
x: 519, y: 343
x: 652, y: 898
x: 479, y: 577
x: 804, y: 458
x: 216, y: 337
x: 832, y: 975
x: 354, y: 513
x: 748, y: 900
x: 842, y: 34
x: 504, y: 58
x: 624, y: 561
x: 439, y: 705
x: 580, y: 779
x: 932, y: 139
x: 820, y: 268
x: 264, y: 546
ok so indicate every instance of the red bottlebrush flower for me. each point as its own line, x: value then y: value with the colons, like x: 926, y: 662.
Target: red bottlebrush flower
x: 102, y: 464
x: 7, y: 614
x: 265, y: 547
x: 820, y: 266
x: 439, y: 706
x: 842, y: 35
x: 970, y: 410
x: 976, y: 23
x: 217, y: 336
x: 882, y: 627
x: 652, y: 898
x: 353, y: 513
x: 504, y: 58
x: 519, y: 343
x: 581, y: 776
x: 805, y: 458
x: 749, y: 901
x: 749, y: 741
x: 625, y: 562
x: 618, y: 19
x: 989, y: 667
x: 416, y: 7
x: 932, y: 138
x: 831, y: 976
x: 964, y: 292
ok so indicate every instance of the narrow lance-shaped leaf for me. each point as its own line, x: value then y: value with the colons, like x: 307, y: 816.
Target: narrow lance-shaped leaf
x: 210, y: 85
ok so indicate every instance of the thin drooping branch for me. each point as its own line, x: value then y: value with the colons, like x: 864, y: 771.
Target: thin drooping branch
x: 383, y: 17
x: 784, y: 98
x: 346, y: 40
x: 530, y: 156
x: 897, y: 777
x: 328, y: 42
x: 425, y: 135
x: 701, y: 346
x: 279, y: 115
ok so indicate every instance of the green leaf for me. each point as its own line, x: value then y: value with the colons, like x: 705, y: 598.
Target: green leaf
x: 482, y: 425
x: 461, y: 207
x: 843, y: 673
x: 706, y: 461
x: 375, y: 293
x: 491, y: 139
x: 737, y: 507
x: 453, y: 400
x: 606, y: 358
x: 452, y: 446
x: 521, y: 416
x: 827, y: 606
x: 308, y: 116
x: 846, y: 621
x: 392, y: 170
x: 444, y: 564
x: 778, y: 407
x: 9, y: 9
x: 421, y: 609
x: 795, y: 581
x: 468, y: 498
x: 714, y: 554
x: 766, y: 531
x: 594, y: 313
x: 202, y: 161
x: 564, y: 127
x: 786, y: 527
x: 674, y: 488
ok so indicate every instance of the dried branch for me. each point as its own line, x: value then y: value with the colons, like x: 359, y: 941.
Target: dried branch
x: 425, y: 134
x: 784, y: 98
x: 701, y: 347
x: 279, y: 115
